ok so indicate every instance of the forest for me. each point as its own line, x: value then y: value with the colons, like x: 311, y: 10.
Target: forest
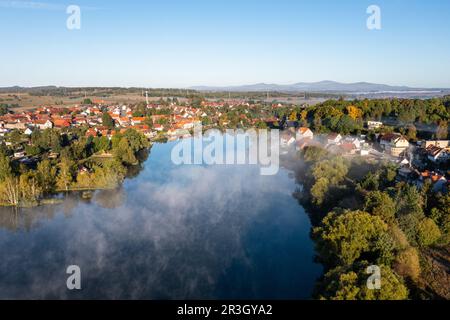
x: 64, y: 162
x: 362, y: 216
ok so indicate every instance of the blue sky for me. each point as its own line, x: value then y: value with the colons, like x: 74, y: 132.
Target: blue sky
x: 175, y: 43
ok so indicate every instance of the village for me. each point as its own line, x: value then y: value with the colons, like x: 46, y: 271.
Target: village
x: 417, y: 161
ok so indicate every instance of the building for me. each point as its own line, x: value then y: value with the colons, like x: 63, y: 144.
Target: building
x: 372, y: 125
x: 437, y: 154
x: 437, y: 143
x: 334, y: 138
x: 286, y: 139
x: 42, y: 124
x: 394, y: 144
x: 304, y: 133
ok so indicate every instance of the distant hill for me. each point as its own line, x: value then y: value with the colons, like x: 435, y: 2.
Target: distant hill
x: 322, y: 86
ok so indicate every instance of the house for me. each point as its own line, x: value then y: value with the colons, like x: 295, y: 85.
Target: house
x: 304, y: 133
x: 394, y: 144
x: 348, y: 147
x: 158, y: 127
x: 15, y: 125
x: 42, y: 124
x: 19, y: 154
x: 437, y: 143
x: 307, y: 142
x: 91, y: 132
x: 371, y: 125
x: 286, y: 139
x: 334, y: 138
x: 28, y: 132
x: 437, y: 154
x: 137, y: 120
x: 62, y: 123
x: 356, y: 142
x: 439, y: 182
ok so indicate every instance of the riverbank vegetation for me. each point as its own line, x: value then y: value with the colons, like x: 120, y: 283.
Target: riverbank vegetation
x: 66, y: 161
x: 362, y: 216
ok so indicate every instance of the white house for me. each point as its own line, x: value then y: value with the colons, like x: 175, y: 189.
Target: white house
x: 42, y: 124
x: 304, y: 133
x: 286, y: 139
x: 28, y: 131
x: 394, y: 144
x: 19, y: 154
x: 371, y: 125
x: 334, y: 138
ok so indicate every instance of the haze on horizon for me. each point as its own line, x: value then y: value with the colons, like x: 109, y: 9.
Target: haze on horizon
x: 180, y: 44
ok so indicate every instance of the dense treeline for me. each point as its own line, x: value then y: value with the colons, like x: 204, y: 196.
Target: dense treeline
x: 348, y: 116
x: 65, y: 161
x: 160, y: 92
x: 362, y: 216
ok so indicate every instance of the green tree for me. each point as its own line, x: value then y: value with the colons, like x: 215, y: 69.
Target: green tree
x: 345, y: 284
x: 46, y: 175
x: 107, y: 120
x: 427, y: 232
x: 380, y: 204
x: 65, y: 175
x: 101, y: 144
x: 5, y: 167
x: 344, y: 237
x: 124, y: 152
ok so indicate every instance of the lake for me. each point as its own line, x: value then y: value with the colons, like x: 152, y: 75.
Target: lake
x: 170, y: 232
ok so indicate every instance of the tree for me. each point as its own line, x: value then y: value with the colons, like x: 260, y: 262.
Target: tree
x: 427, y: 232
x: 32, y: 150
x: 409, y: 210
x: 124, y: 152
x: 411, y: 132
x: 345, y: 284
x: 442, y: 130
x: 314, y: 154
x: 87, y: 101
x: 107, y: 120
x: 407, y: 263
x: 371, y: 181
x: 137, y: 140
x: 9, y: 191
x: 66, y: 173
x: 29, y: 188
x: 344, y: 237
x: 319, y: 190
x: 5, y: 167
x: 380, y: 204
x: 101, y: 144
x: 354, y: 112
x: 334, y: 170
x: 46, y: 175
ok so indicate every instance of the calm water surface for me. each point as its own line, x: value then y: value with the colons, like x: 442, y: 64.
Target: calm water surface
x: 171, y: 232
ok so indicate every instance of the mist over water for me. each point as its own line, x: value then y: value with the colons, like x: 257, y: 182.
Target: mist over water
x: 171, y: 232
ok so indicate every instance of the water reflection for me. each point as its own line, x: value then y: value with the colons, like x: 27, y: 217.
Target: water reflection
x: 170, y: 232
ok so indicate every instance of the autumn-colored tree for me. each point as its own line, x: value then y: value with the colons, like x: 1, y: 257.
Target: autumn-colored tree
x: 354, y: 112
x: 66, y: 174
